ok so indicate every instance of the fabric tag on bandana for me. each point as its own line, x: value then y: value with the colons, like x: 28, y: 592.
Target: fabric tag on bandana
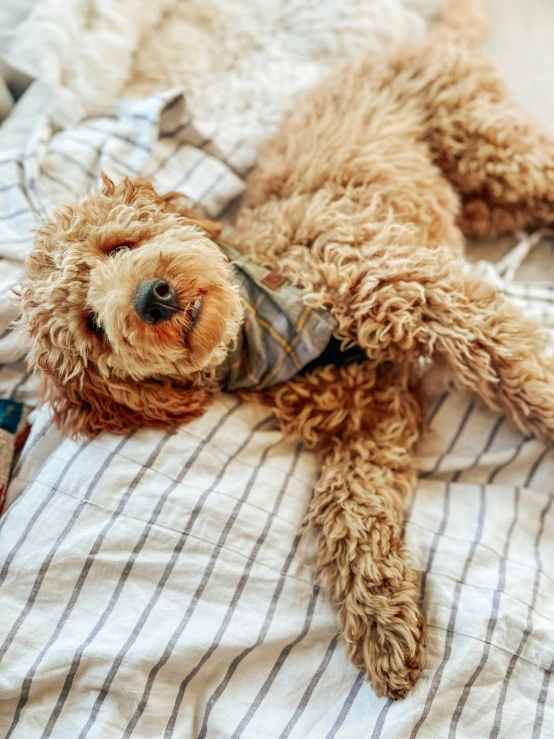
x: 273, y: 280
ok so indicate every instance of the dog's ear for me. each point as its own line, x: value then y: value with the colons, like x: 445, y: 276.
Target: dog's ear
x: 131, y: 190
x: 84, y: 405
x: 173, y: 202
x: 108, y: 186
x: 176, y: 202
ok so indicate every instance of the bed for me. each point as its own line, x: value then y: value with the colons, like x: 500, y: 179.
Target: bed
x: 160, y: 585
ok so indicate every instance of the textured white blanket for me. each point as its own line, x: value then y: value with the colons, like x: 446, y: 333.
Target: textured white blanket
x: 238, y: 63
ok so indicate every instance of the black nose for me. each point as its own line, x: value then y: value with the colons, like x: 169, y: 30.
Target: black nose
x: 155, y: 301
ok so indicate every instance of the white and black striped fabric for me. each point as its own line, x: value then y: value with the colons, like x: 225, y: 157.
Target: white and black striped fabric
x: 159, y: 585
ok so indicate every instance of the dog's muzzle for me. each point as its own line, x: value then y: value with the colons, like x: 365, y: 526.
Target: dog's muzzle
x: 155, y: 301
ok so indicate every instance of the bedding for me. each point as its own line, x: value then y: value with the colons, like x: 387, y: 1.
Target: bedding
x: 161, y: 585
x: 158, y: 585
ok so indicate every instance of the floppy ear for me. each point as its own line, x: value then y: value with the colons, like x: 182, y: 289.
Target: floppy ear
x: 86, y: 404
x: 176, y: 202
x: 172, y: 202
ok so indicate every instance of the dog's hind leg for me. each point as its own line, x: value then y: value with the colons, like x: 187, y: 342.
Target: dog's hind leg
x: 365, y: 421
x: 496, y: 155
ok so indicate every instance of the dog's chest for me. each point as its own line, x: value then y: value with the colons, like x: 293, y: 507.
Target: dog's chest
x: 281, y: 335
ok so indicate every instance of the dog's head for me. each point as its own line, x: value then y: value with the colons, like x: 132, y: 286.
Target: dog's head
x: 130, y: 306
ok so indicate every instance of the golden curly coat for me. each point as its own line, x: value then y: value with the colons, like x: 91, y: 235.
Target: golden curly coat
x: 362, y: 198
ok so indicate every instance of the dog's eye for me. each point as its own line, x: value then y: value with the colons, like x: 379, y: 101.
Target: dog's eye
x: 119, y: 248
x: 93, y: 326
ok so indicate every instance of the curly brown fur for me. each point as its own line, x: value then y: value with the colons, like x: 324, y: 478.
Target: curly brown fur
x: 121, y: 373
x: 362, y: 199
x: 365, y: 421
x: 365, y: 213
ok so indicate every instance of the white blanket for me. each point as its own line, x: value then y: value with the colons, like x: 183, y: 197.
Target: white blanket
x: 160, y: 585
x: 239, y: 63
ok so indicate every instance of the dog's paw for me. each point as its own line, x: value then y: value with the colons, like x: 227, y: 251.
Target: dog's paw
x: 389, y: 645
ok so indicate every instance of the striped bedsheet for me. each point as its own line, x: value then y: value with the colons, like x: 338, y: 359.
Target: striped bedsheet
x: 162, y: 586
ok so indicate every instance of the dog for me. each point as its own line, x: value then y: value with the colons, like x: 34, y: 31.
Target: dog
x: 361, y: 200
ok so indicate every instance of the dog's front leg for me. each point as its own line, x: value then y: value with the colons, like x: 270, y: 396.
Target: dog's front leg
x: 424, y: 302
x: 489, y: 347
x: 365, y: 421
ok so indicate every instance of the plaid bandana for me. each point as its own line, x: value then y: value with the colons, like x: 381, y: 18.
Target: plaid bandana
x: 280, y: 335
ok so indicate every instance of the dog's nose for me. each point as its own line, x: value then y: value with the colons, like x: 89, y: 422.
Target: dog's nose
x: 155, y: 301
